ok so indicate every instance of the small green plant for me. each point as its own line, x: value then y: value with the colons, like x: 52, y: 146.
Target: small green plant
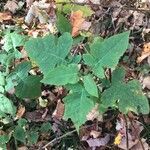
x: 52, y: 55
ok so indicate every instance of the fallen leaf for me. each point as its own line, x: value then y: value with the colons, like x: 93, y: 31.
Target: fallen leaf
x: 5, y: 16
x: 29, y: 2
x: 59, y: 111
x: 95, y: 134
x: 140, y: 146
x: 37, y: 116
x: 20, y: 112
x: 76, y: 22
x: 146, y: 82
x: 138, y: 19
x: 94, y: 114
x: 93, y: 143
x: 11, y: 6
x: 145, y: 52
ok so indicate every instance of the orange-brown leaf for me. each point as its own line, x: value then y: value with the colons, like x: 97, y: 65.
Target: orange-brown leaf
x: 76, y: 22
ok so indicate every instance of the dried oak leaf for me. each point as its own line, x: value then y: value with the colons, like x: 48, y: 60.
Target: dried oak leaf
x: 5, y: 16
x: 145, y: 52
x: 11, y: 6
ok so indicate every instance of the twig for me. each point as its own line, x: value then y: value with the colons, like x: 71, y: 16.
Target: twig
x: 91, y: 4
x: 127, y: 138
x: 54, y: 140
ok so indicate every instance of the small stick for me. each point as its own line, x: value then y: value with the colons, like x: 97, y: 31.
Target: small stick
x: 54, y: 140
x: 127, y: 138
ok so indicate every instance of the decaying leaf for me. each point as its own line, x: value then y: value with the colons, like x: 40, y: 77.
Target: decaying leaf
x: 20, y: 112
x: 95, y: 134
x: 38, y: 10
x: 93, y: 143
x: 138, y: 19
x: 133, y: 131
x: 12, y: 6
x: 5, y: 16
x: 59, y: 111
x: 29, y: 2
x: 94, y: 114
x: 78, y: 23
x: 37, y: 116
x: 145, y: 53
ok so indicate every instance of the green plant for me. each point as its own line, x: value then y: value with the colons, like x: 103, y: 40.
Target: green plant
x: 58, y: 67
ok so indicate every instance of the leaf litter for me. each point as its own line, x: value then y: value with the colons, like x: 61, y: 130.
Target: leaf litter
x: 108, y: 19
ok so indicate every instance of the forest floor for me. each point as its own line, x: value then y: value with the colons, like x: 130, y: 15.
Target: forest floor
x: 38, y: 121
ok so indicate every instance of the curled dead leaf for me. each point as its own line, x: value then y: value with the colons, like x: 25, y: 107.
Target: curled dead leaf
x: 145, y: 53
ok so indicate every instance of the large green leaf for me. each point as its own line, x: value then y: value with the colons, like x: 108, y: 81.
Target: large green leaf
x: 63, y: 24
x: 29, y: 87
x: 12, y: 41
x: 62, y: 75
x: 6, y: 106
x: 18, y: 74
x: 77, y: 105
x: 49, y: 51
x: 106, y: 54
x: 90, y: 85
x: 125, y: 96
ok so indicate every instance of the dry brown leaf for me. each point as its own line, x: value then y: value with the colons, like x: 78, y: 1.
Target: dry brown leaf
x: 11, y: 6
x: 59, y: 111
x: 20, y: 112
x: 94, y: 114
x: 76, y: 22
x: 145, y: 53
x: 95, y: 134
x: 5, y: 16
x: 37, y: 116
x: 93, y: 143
